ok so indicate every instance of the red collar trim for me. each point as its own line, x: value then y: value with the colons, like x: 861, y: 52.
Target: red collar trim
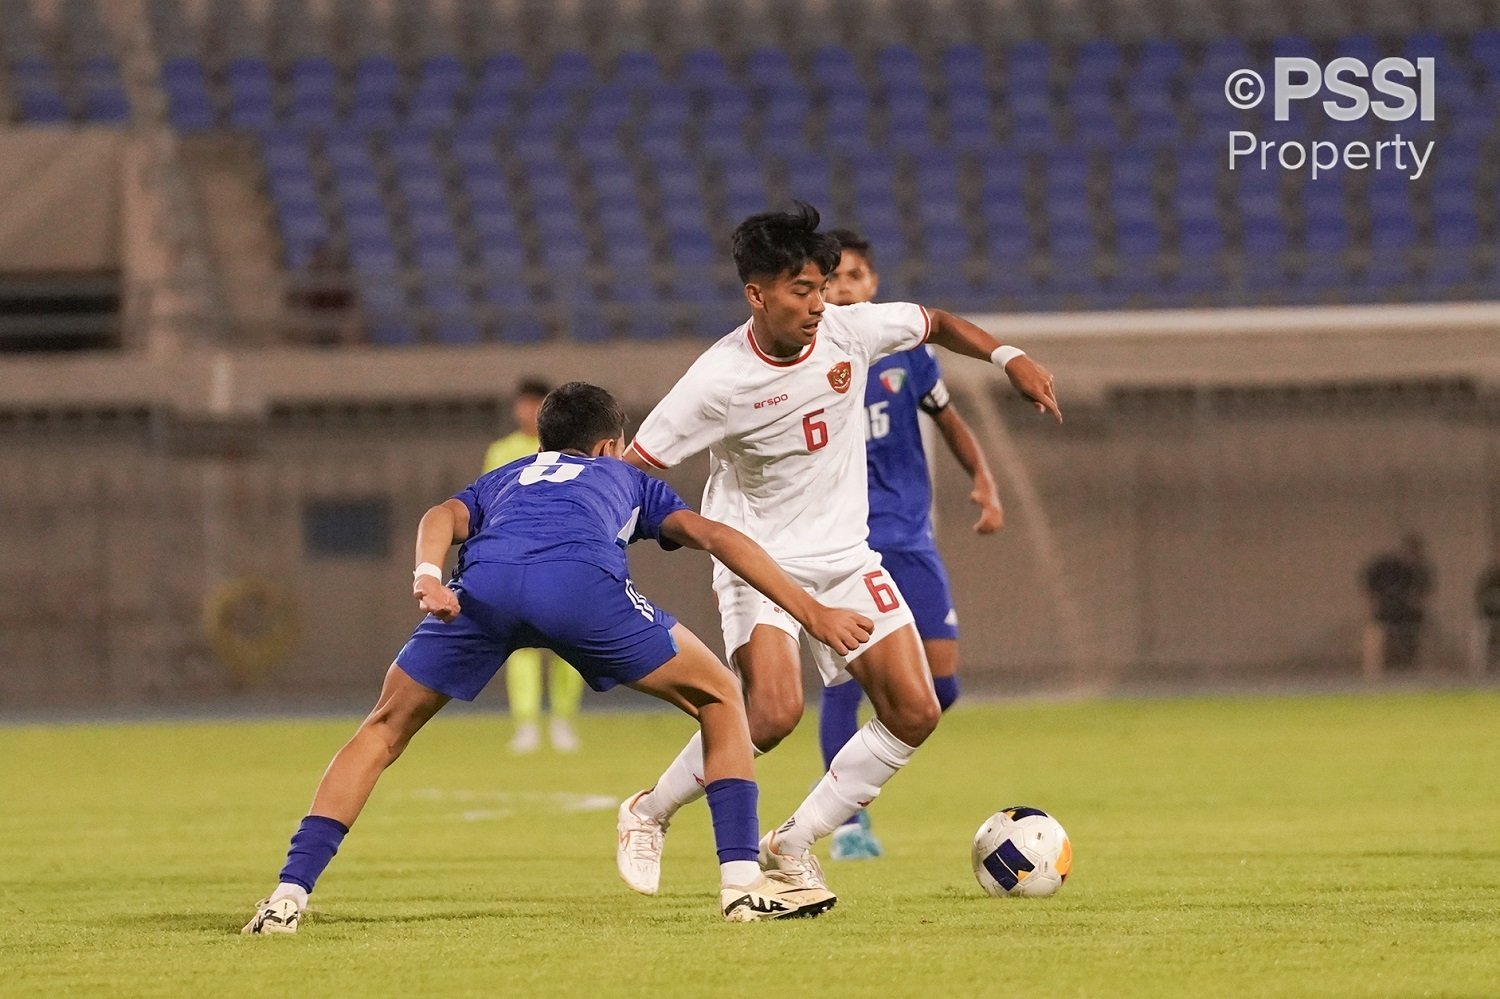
x: 777, y: 362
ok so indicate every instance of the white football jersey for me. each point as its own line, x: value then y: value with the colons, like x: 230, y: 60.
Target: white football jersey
x: 786, y: 437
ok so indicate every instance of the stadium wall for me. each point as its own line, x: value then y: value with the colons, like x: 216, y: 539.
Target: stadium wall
x: 1200, y: 519
x: 63, y: 200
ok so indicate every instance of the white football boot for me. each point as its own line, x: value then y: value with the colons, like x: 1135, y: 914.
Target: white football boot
x: 802, y: 868
x: 279, y: 915
x: 638, y: 852
x: 775, y: 896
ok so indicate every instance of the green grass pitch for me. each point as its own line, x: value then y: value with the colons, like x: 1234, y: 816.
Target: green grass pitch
x: 1298, y: 846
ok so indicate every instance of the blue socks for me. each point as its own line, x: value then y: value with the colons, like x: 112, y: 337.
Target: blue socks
x: 838, y: 722
x: 732, y: 802
x: 839, y: 719
x: 314, y: 843
x: 947, y: 690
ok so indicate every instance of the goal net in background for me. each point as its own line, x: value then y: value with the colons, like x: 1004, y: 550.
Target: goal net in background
x: 1206, y: 514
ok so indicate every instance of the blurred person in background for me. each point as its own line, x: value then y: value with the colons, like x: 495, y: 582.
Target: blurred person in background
x: 901, y: 386
x: 1397, y: 585
x: 523, y: 671
x: 1487, y: 604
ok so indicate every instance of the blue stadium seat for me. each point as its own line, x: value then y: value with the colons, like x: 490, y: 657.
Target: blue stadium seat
x: 810, y: 179
x: 437, y: 254
x: 702, y: 68
x: 451, y: 311
x: 691, y: 248
x: 637, y: 69
x: 834, y: 67
x: 104, y: 99
x: 473, y: 145
x: 1201, y: 241
x: 522, y: 327
x: 586, y: 323
x: 1159, y: 59
x: 384, y: 306
x: 506, y: 290
x: 252, y: 100
x: 1097, y: 59
x: 502, y: 251
x: 899, y: 67
x: 728, y: 111
x: 945, y: 244
x: 846, y: 120
x: 744, y: 188
x: 189, y: 108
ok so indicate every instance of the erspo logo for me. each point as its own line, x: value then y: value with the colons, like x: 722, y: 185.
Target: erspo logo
x: 1393, y: 90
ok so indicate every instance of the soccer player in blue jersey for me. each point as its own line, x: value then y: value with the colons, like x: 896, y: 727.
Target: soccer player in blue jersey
x: 543, y: 565
x: 900, y: 386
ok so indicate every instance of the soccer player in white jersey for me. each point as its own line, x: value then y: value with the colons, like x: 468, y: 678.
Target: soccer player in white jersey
x: 901, y: 386
x: 779, y: 404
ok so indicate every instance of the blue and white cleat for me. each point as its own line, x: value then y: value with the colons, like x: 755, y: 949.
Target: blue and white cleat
x: 855, y: 842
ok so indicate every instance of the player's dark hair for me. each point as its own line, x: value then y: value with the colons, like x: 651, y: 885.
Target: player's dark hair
x: 532, y: 388
x: 774, y: 243
x: 576, y: 416
x: 851, y: 240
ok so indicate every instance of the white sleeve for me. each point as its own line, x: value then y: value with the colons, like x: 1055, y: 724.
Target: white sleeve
x: 890, y: 327
x: 689, y: 419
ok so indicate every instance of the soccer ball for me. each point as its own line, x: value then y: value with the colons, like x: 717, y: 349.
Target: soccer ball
x: 1021, y: 851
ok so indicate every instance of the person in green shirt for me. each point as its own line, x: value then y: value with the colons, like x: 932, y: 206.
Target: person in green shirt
x: 523, y: 671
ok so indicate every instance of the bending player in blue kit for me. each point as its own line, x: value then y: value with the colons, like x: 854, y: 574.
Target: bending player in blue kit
x: 900, y: 386
x: 543, y: 565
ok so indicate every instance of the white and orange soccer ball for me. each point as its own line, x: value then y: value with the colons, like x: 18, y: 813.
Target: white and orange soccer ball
x: 1022, y: 851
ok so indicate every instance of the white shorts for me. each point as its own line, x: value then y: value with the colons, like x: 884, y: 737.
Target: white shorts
x: 852, y: 582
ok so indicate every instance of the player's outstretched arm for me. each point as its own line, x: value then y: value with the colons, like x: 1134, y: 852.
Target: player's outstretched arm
x: 965, y: 447
x: 843, y: 630
x: 441, y: 527
x: 633, y: 458
x: 1028, y: 377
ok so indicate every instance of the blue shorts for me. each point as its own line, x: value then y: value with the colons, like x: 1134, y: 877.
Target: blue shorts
x: 922, y: 580
x: 606, y: 630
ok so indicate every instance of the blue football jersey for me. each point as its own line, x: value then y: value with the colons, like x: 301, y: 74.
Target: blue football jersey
x: 551, y: 507
x: 900, y: 487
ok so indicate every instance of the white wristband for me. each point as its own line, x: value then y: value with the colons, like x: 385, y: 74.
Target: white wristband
x: 1003, y: 355
x: 427, y: 569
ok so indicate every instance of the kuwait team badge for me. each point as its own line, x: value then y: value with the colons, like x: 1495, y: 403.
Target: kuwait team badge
x: 893, y: 380
x: 839, y: 376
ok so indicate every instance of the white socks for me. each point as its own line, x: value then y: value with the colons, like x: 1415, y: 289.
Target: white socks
x: 738, y: 873
x: 853, y: 780
x: 296, y: 893
x: 679, y: 784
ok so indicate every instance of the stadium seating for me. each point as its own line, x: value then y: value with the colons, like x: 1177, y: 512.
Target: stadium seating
x: 570, y: 182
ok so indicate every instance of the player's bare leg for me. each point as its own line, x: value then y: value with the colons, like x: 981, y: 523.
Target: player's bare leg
x: 696, y: 682
x: 770, y: 666
x: 770, y: 671
x: 403, y: 708
x: 894, y: 674
x: 895, y: 677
